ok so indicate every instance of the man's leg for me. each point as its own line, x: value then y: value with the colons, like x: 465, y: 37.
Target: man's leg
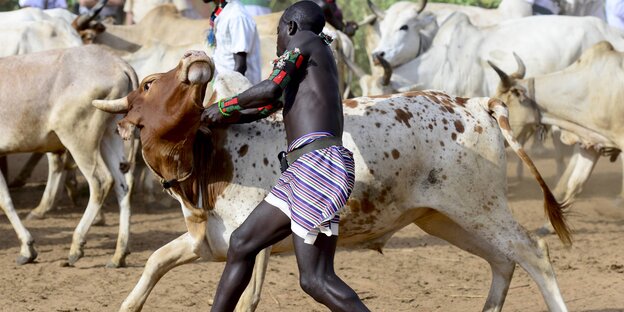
x: 265, y: 226
x: 317, y: 276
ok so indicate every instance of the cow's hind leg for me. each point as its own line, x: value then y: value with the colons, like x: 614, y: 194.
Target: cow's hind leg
x: 27, y: 251
x: 88, y: 157
x: 55, y: 175
x: 576, y: 174
x: 503, y: 232
x: 177, y: 252
x: 437, y: 224
x: 113, y: 153
x: 571, y: 183
x: 27, y: 170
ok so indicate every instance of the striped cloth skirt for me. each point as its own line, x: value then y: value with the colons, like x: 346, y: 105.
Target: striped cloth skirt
x: 314, y: 188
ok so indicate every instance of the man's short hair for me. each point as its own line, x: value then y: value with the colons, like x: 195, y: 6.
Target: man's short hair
x: 307, y: 14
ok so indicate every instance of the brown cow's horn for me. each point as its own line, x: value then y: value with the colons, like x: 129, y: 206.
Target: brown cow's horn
x: 422, y: 6
x: 387, y: 70
x: 117, y: 106
x: 505, y: 79
x: 519, y: 74
x: 375, y: 9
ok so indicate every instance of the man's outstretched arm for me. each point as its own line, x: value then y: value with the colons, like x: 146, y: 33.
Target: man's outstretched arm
x: 254, y: 103
x: 264, y: 94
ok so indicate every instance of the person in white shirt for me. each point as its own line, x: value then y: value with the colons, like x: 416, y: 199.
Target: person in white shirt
x: 43, y: 4
x: 235, y: 40
x: 137, y: 9
x: 614, y: 10
x: 113, y: 9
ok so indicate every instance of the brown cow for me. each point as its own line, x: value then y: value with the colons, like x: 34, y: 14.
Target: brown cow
x: 423, y: 157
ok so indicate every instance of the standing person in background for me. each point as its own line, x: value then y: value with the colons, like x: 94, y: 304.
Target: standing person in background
x: 333, y: 15
x: 113, y: 9
x: 614, y: 10
x: 544, y: 7
x: 137, y: 9
x: 235, y: 40
x: 257, y: 7
x: 43, y: 4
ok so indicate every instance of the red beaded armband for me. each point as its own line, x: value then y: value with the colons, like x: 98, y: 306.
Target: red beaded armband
x: 285, y: 66
x: 265, y: 110
x: 228, y: 106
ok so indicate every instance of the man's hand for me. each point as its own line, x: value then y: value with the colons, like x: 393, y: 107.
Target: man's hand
x: 212, y: 115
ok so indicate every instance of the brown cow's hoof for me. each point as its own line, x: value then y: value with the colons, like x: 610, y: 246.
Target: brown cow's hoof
x: 73, y: 258
x: 21, y: 259
x: 34, y: 216
x: 114, y: 265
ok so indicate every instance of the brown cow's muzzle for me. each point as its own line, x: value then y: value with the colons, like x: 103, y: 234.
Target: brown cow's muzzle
x: 195, y: 68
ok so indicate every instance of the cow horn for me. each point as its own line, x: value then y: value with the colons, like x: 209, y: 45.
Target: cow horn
x: 422, y: 6
x: 505, y: 79
x: 368, y: 20
x: 82, y: 21
x: 521, y: 71
x: 117, y: 106
x: 387, y: 70
x: 376, y: 10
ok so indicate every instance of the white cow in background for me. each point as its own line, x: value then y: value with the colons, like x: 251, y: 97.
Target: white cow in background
x: 49, y: 110
x: 584, y: 100
x: 413, y: 26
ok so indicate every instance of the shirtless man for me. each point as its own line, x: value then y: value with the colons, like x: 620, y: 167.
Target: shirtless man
x: 316, y: 185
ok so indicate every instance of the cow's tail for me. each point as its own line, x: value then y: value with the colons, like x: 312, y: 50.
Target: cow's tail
x: 553, y: 209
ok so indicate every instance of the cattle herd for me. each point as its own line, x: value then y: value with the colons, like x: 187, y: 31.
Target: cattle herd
x: 106, y: 97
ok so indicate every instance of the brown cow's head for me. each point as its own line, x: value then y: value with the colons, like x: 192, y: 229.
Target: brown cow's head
x: 166, y: 108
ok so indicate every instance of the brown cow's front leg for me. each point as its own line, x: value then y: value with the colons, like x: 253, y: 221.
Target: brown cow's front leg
x: 250, y: 299
x: 177, y: 252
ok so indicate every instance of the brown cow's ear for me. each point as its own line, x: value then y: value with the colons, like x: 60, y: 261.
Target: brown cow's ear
x: 126, y: 129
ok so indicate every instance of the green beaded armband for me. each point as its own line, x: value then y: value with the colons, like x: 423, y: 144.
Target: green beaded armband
x: 228, y: 106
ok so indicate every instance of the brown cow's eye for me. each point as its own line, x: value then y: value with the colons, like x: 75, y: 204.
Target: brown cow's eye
x: 147, y: 85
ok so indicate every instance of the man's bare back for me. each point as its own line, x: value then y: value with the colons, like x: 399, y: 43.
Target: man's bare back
x: 312, y: 100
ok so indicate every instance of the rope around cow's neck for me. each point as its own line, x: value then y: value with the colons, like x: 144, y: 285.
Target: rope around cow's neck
x: 166, y: 184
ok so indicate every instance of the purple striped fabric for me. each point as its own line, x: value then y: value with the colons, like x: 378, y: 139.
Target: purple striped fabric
x: 314, y: 188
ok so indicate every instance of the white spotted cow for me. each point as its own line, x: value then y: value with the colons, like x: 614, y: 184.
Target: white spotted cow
x: 425, y: 158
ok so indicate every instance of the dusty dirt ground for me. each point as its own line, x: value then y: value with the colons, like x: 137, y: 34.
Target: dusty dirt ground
x: 417, y: 272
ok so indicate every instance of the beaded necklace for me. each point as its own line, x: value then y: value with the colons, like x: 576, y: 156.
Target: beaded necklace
x: 212, y: 40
